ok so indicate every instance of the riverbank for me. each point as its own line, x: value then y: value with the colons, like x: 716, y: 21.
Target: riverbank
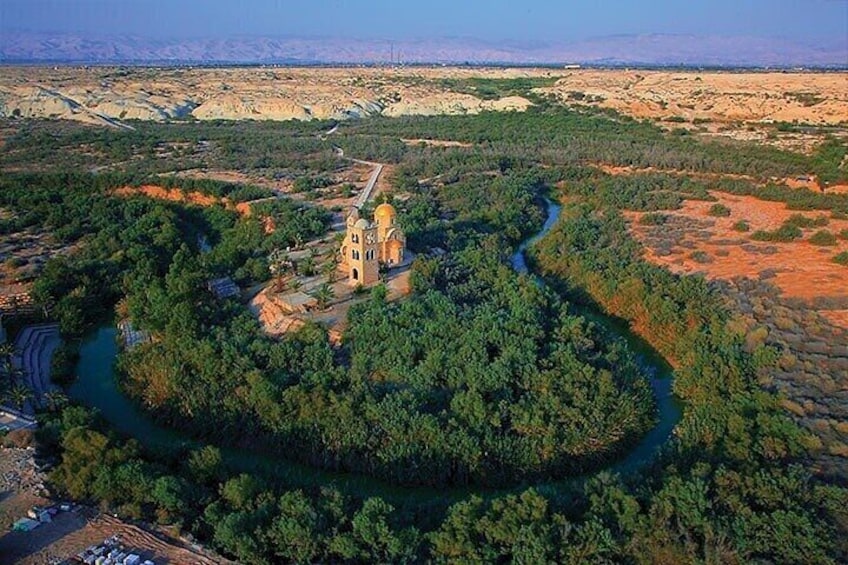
x: 97, y: 387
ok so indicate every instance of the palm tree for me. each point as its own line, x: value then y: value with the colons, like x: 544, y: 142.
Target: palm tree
x: 6, y: 351
x: 324, y: 294
x: 18, y: 395
x: 280, y: 265
x: 329, y: 269
x: 56, y: 399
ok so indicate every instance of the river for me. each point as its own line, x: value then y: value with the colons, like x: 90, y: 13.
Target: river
x: 96, y: 387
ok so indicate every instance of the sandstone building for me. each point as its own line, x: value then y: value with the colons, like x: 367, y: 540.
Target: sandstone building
x: 368, y: 244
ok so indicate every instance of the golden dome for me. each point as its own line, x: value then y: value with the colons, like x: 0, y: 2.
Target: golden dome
x: 384, y: 211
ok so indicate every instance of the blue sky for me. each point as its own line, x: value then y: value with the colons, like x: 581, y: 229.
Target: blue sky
x: 521, y: 20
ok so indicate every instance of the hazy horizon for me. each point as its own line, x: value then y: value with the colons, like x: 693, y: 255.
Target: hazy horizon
x: 532, y: 21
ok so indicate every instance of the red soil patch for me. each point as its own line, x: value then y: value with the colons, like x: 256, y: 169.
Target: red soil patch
x: 799, y: 269
x: 836, y: 317
x: 171, y: 194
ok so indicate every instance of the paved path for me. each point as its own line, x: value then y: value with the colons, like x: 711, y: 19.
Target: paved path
x: 369, y: 188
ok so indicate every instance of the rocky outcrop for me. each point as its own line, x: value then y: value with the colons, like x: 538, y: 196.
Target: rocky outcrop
x: 449, y: 103
x: 112, y: 95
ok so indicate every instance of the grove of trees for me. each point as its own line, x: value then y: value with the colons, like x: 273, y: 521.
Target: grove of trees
x: 480, y: 377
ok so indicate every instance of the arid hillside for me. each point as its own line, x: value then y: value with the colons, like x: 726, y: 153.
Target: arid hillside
x: 810, y: 98
x: 712, y: 102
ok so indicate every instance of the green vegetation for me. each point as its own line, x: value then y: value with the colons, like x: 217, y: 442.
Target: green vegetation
x: 791, y: 229
x: 719, y: 211
x: 841, y: 258
x: 307, y: 183
x: 495, y: 88
x: 742, y: 226
x: 479, y: 377
x: 128, y: 245
x: 827, y: 162
x: 801, y: 221
x: 393, y: 410
x: 785, y: 233
x: 653, y: 219
x: 823, y: 237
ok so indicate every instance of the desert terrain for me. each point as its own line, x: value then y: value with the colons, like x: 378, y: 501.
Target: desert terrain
x: 693, y: 241
x: 744, y: 105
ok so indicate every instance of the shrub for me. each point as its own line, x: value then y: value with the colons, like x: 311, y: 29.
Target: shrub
x: 823, y: 237
x: 841, y: 258
x: 837, y: 215
x: 719, y: 211
x: 63, y: 364
x: 742, y: 226
x: 843, y: 234
x: 701, y: 257
x: 786, y: 232
x: 800, y: 221
x: 653, y: 219
x: 306, y: 183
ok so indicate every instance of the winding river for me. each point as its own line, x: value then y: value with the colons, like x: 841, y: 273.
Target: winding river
x: 97, y: 387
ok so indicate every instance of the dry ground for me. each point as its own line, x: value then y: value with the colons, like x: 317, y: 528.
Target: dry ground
x: 696, y: 242
x: 732, y: 104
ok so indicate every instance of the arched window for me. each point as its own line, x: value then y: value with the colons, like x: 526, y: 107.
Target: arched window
x: 355, y: 254
x: 369, y: 255
x: 354, y: 237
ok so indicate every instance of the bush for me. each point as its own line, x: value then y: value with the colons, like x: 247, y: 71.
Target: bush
x: 841, y: 258
x: 306, y: 183
x: 784, y: 233
x: 800, y: 221
x: 653, y: 219
x: 701, y: 257
x: 823, y: 237
x: 719, y: 211
x: 742, y: 226
x: 843, y: 234
x: 62, y: 366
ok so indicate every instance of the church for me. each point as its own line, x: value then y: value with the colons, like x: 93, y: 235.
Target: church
x: 368, y: 244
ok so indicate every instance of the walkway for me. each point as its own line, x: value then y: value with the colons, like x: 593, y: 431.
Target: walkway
x: 369, y: 188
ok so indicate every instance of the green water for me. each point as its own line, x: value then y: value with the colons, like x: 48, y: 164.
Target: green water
x: 96, y: 387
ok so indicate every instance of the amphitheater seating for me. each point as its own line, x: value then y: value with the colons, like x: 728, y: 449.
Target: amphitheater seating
x: 34, y: 347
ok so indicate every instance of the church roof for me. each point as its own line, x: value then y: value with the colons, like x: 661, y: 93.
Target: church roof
x: 385, y: 210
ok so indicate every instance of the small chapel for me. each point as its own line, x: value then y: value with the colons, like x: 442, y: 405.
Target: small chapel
x: 368, y: 244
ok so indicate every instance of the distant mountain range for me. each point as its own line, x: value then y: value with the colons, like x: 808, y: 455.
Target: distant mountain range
x: 656, y: 49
